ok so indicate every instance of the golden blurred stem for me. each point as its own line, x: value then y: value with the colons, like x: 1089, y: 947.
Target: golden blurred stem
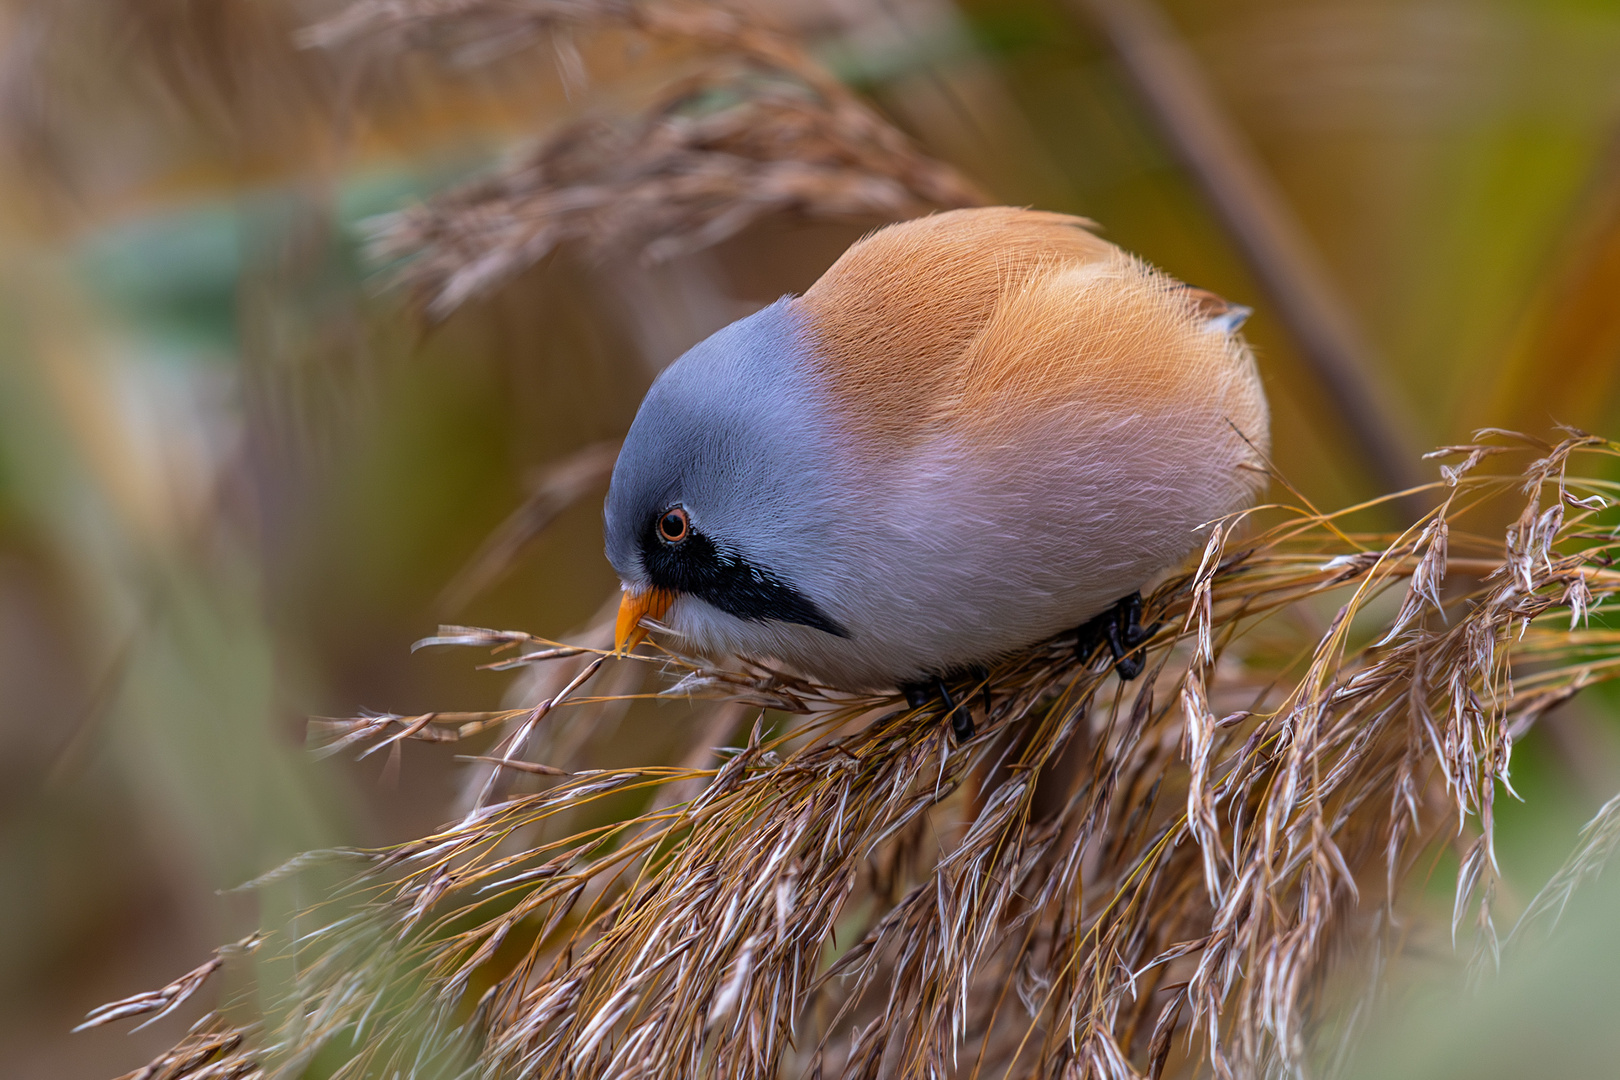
x: 1272, y: 240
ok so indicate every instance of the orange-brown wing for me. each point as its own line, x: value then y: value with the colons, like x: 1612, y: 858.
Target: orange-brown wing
x: 896, y: 314
x: 1113, y: 332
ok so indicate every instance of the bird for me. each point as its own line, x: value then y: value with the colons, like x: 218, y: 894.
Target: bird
x: 975, y: 431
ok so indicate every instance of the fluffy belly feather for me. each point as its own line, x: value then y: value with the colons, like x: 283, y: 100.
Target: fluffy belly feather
x: 1080, y: 512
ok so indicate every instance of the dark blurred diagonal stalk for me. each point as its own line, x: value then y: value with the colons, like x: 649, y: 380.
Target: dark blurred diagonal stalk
x: 1272, y: 240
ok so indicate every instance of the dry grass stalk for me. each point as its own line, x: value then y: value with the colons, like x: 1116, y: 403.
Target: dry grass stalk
x: 855, y: 896
x: 101, y: 102
x: 760, y: 130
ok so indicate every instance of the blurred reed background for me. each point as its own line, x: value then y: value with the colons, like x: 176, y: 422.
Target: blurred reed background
x: 246, y: 459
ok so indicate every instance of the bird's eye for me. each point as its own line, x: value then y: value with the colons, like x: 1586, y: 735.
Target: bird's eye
x: 673, y: 527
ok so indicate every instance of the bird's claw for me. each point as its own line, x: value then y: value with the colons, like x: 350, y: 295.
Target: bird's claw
x: 920, y: 694
x: 1121, y: 629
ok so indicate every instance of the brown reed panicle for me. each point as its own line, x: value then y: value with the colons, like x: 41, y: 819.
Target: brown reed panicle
x: 80, y: 76
x: 1109, y: 880
x: 759, y: 129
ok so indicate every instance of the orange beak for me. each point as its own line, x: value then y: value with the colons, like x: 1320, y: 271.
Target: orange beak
x: 635, y: 606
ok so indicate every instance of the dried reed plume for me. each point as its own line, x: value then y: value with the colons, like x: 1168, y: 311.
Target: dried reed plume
x: 1110, y: 880
x: 760, y: 129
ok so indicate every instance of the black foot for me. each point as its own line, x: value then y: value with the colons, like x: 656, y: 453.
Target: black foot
x: 1121, y: 629
x: 920, y: 694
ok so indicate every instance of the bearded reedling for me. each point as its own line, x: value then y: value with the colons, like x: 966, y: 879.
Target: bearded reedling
x: 975, y: 431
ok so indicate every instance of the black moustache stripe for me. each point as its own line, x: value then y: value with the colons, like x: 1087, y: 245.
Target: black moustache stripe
x: 723, y: 579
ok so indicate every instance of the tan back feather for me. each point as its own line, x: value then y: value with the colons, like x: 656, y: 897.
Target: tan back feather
x: 970, y: 319
x: 895, y: 315
x: 1114, y: 336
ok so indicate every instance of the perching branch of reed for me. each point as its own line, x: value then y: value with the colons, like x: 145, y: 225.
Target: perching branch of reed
x: 759, y: 129
x: 1113, y: 880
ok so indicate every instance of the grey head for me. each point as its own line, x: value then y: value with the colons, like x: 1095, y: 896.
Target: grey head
x: 718, y: 494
